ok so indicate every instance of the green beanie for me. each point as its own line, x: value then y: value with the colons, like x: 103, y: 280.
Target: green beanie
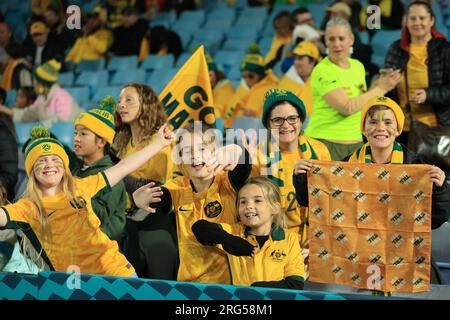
x: 253, y: 60
x: 274, y: 97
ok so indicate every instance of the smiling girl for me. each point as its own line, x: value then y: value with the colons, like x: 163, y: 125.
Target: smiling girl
x: 56, y: 212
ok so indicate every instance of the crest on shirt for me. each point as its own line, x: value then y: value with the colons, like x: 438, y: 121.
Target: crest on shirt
x: 213, y: 209
x: 78, y: 203
x: 278, y: 255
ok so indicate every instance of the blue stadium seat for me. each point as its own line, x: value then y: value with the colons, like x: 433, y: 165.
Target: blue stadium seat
x: 222, y: 13
x: 80, y: 94
x: 218, y: 24
x: 66, y: 79
x: 122, y: 77
x: 153, y: 61
x: 318, y: 11
x: 260, y: 12
x: 93, y: 79
x: 123, y: 63
x: 244, y: 123
x: 235, y: 45
x: 102, y: 92
x: 23, y: 131
x: 186, y: 37
x: 182, y: 59
x: 380, y: 44
x: 234, y: 73
x: 256, y: 22
x: 237, y: 32
x: 164, y: 18
x: 268, y: 30
x: 10, y: 99
x: 158, y: 79
x: 211, y: 39
x: 229, y: 58
x: 90, y: 65
x: 193, y: 15
x: 265, y: 44
x: 64, y: 132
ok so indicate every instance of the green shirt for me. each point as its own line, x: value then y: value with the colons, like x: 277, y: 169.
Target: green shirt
x: 326, y: 122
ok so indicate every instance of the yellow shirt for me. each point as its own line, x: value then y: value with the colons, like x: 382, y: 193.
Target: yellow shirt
x: 303, y: 90
x: 92, y: 47
x: 144, y: 49
x: 280, y: 257
x: 253, y: 99
x: 282, y: 172
x: 159, y: 167
x: 216, y: 204
x: 277, y: 42
x: 417, y: 79
x: 223, y: 92
x: 76, y: 237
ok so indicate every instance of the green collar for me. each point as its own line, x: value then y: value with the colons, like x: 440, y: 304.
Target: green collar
x: 277, y: 233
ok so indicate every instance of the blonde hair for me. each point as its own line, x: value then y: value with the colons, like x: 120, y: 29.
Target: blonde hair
x: 150, y: 118
x: 34, y: 193
x: 272, y: 196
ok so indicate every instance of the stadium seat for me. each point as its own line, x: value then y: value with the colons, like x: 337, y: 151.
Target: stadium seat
x: 318, y: 11
x: 122, y: 77
x: 182, y: 59
x: 250, y: 22
x: 380, y: 44
x: 218, y: 24
x: 153, y: 61
x: 229, y: 58
x: 265, y: 44
x: 66, y: 79
x: 246, y: 124
x: 234, y: 73
x: 158, y: 79
x: 260, y: 12
x: 193, y: 15
x: 90, y: 65
x: 235, y: 45
x: 186, y: 37
x: 164, y: 18
x: 10, y: 99
x: 268, y: 31
x: 80, y: 94
x: 222, y: 13
x: 93, y: 79
x: 64, y: 132
x: 123, y: 63
x: 23, y: 131
x: 237, y: 32
x: 102, y: 92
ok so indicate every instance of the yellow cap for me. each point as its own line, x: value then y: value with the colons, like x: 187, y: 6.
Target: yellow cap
x: 386, y: 102
x: 341, y: 7
x: 307, y: 48
x: 38, y: 27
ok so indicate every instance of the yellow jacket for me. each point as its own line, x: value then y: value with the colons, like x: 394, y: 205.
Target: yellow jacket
x: 277, y: 42
x: 223, y: 92
x: 91, y: 47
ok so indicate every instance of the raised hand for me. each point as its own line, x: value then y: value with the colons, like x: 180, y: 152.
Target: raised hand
x: 165, y: 136
x: 226, y: 158
x: 251, y: 145
x: 303, y: 166
x: 389, y: 81
x: 146, y: 195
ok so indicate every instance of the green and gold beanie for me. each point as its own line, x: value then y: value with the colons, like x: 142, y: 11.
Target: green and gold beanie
x: 274, y: 97
x: 100, y: 120
x: 42, y: 144
x: 212, y: 66
x: 47, y: 74
x: 253, y: 60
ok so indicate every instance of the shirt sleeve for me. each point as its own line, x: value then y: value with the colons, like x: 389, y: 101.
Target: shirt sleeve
x: 91, y: 185
x: 19, y: 212
x: 295, y: 266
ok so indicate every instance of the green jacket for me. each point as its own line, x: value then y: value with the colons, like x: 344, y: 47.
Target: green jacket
x: 109, y: 206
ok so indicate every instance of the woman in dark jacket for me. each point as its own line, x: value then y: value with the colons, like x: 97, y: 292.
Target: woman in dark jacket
x: 423, y: 55
x: 382, y: 120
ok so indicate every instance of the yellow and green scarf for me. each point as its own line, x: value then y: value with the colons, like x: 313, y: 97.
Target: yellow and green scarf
x: 275, y: 157
x: 364, y: 154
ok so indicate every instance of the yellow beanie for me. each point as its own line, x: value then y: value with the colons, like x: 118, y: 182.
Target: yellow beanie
x: 386, y: 102
x: 42, y: 144
x: 47, y: 74
x: 100, y: 120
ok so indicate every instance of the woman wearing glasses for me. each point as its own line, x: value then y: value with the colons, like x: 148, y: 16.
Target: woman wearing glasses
x: 339, y: 92
x: 283, y: 114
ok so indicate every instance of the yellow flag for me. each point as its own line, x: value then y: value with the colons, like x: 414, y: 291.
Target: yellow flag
x: 188, y: 96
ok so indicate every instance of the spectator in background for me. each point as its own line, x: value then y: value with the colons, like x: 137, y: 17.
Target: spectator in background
x: 160, y: 41
x: 5, y: 38
x: 347, y: 9
x: 25, y: 97
x: 114, y: 9
x: 391, y: 14
x: 53, y: 103
x: 223, y: 90
x: 17, y: 73
x: 423, y: 54
x: 297, y: 79
x: 128, y: 37
x: 339, y: 92
x: 283, y: 24
x: 44, y: 47
x: 58, y: 28
x: 303, y: 16
x: 8, y: 151
x: 248, y: 99
x: 179, y: 5
x: 95, y: 40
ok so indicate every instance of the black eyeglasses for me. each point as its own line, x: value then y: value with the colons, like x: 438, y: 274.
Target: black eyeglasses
x: 278, y: 121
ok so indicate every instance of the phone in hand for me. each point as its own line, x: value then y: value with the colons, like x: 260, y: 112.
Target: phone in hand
x: 384, y: 71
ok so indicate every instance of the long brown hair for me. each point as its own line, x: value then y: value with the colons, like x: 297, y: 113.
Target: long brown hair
x: 150, y: 118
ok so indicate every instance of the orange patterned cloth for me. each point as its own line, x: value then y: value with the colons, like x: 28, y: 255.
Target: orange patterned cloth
x: 370, y: 225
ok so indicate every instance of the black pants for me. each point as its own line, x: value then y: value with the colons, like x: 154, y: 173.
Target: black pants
x: 151, y: 246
